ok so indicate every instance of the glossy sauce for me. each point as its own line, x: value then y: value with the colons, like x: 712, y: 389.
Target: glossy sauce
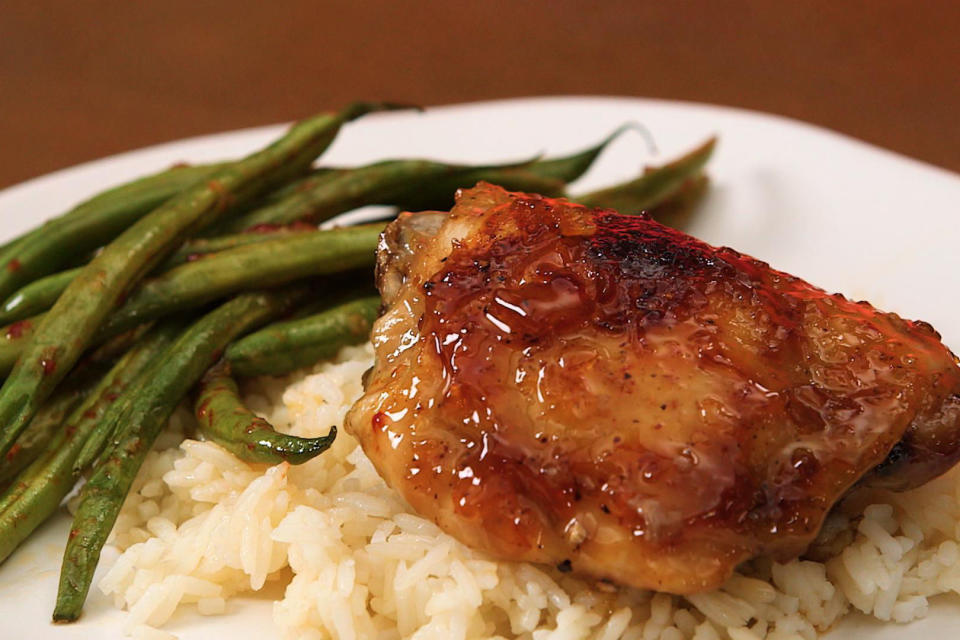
x: 565, y: 384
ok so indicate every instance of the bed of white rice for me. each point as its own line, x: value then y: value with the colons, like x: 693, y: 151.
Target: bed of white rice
x: 201, y: 526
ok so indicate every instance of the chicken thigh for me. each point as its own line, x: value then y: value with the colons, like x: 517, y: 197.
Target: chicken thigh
x: 602, y: 393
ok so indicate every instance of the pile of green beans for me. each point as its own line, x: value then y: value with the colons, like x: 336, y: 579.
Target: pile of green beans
x: 196, y: 275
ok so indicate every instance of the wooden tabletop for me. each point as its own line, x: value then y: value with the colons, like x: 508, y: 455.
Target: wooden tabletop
x: 81, y: 80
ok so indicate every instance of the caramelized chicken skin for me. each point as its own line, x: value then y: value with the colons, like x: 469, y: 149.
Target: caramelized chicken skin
x: 600, y: 392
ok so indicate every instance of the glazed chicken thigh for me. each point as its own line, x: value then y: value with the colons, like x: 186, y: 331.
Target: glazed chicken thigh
x: 602, y: 393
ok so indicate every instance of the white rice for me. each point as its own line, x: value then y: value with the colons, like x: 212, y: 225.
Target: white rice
x: 201, y: 526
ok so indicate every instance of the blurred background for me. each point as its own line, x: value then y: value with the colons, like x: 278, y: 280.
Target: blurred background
x: 81, y: 80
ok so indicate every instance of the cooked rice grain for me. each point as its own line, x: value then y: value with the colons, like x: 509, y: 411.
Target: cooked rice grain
x: 201, y: 526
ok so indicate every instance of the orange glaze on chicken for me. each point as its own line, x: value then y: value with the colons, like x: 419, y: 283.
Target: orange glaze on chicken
x: 600, y: 392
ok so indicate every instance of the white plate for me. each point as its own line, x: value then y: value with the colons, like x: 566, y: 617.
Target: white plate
x: 840, y: 213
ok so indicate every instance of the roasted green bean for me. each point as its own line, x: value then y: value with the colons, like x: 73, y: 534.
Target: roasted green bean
x: 413, y: 184
x: 345, y: 189
x: 41, y: 294
x: 42, y: 429
x: 224, y: 419
x: 678, y: 208
x: 570, y: 168
x: 654, y: 186
x: 37, y: 296
x: 12, y: 340
x: 268, y: 263
x: 283, y: 347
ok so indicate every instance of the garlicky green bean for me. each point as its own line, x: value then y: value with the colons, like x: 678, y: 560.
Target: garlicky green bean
x: 70, y: 325
x: 653, y: 186
x: 286, y: 346
x: 269, y: 263
x: 42, y: 429
x: 37, y: 296
x: 197, y: 248
x: 41, y: 294
x: 570, y: 168
x: 547, y: 177
x: 38, y: 490
x: 91, y: 224
x: 413, y: 184
x: 107, y: 422
x: 224, y: 419
x: 341, y: 190
x: 439, y: 195
x: 677, y: 209
x: 167, y: 380
x: 10, y: 249
x: 13, y: 337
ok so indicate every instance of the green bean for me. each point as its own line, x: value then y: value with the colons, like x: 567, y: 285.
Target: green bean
x: 439, y: 195
x: 70, y: 325
x: 41, y: 294
x: 283, y: 347
x: 300, y: 184
x: 412, y: 184
x: 570, y: 168
x: 653, y: 186
x: 13, y: 337
x: 345, y: 189
x: 196, y: 248
x: 42, y: 429
x: 675, y: 211
x: 167, y: 381
x: 10, y: 249
x: 108, y: 422
x: 37, y: 296
x: 12, y: 242
x: 224, y: 419
x: 266, y: 264
x: 545, y: 177
x: 111, y: 348
x: 91, y: 224
x: 38, y: 490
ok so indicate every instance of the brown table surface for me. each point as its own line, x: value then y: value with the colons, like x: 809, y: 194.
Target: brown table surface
x: 82, y: 80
